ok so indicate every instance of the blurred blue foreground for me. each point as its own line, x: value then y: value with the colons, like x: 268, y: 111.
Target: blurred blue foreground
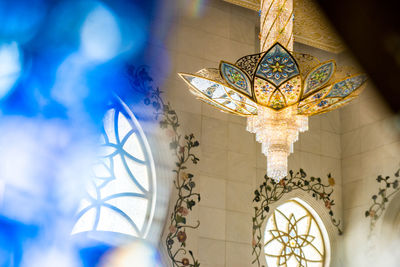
x: 60, y: 64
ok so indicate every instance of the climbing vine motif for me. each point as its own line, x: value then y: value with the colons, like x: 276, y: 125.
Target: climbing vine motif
x: 389, y: 188
x: 270, y: 192
x: 184, y: 182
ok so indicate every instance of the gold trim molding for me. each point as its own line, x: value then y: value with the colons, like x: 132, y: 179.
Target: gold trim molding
x: 250, y: 4
x: 313, y: 29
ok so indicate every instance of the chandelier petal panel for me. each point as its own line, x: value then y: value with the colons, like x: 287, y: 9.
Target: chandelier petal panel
x: 318, y: 106
x: 249, y: 63
x: 291, y: 90
x: 218, y: 94
x: 319, y: 77
x: 347, y: 86
x: 314, y: 97
x: 215, y: 105
x: 306, y: 63
x: 236, y: 78
x: 277, y: 65
x: 340, y: 104
x: 263, y: 91
x: 277, y: 100
x: 277, y: 90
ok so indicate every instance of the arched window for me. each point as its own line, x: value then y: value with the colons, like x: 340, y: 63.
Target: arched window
x: 121, y: 195
x: 294, y: 237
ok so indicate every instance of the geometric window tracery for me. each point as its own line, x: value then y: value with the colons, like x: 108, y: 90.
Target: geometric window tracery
x: 121, y: 192
x: 293, y: 237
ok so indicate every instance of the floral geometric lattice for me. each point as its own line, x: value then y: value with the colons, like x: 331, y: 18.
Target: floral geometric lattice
x: 339, y: 104
x: 277, y: 65
x: 293, y: 237
x: 236, y: 78
x: 270, y: 192
x: 277, y: 100
x: 319, y: 77
x: 291, y: 90
x: 317, y: 107
x: 347, y: 86
x: 249, y: 63
x: 274, y: 79
x: 316, y: 96
x: 263, y: 91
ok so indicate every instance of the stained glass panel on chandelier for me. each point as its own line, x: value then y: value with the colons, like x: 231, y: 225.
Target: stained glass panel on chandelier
x: 121, y: 193
x: 277, y: 65
x: 316, y: 96
x: 291, y: 90
x: 347, y: 86
x: 293, y: 237
x: 263, y: 91
x: 220, y: 95
x: 319, y: 77
x: 277, y: 101
x: 236, y: 78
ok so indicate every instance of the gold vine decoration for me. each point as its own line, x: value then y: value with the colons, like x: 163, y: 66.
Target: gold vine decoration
x: 390, y: 188
x: 182, y: 147
x: 270, y: 192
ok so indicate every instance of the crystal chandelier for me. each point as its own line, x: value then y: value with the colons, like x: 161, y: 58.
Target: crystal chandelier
x: 276, y: 90
x: 277, y: 131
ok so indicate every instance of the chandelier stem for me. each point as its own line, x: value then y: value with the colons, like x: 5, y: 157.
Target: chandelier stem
x: 276, y: 23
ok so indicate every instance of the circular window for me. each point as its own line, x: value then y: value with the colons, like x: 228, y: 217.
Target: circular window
x: 121, y: 194
x: 293, y: 237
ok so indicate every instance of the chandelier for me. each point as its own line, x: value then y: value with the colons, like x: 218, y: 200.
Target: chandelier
x: 277, y: 90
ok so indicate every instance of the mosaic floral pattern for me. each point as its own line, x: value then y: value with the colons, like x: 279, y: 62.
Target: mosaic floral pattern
x: 291, y: 90
x: 248, y: 63
x: 317, y: 106
x: 339, y: 104
x: 263, y: 91
x: 257, y: 77
x: 316, y: 96
x: 319, y: 77
x: 346, y: 87
x: 277, y: 65
x: 211, y: 90
x: 184, y: 182
x: 306, y: 63
x: 242, y: 102
x: 293, y: 237
x: 236, y: 78
x: 277, y: 100
x: 221, y: 96
x: 332, y: 97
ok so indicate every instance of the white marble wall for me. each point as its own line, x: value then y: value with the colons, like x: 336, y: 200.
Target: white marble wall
x: 348, y: 142
x: 226, y: 174
x: 370, y: 146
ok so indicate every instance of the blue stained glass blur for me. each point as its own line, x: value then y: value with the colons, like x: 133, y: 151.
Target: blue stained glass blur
x: 121, y: 196
x: 61, y: 62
